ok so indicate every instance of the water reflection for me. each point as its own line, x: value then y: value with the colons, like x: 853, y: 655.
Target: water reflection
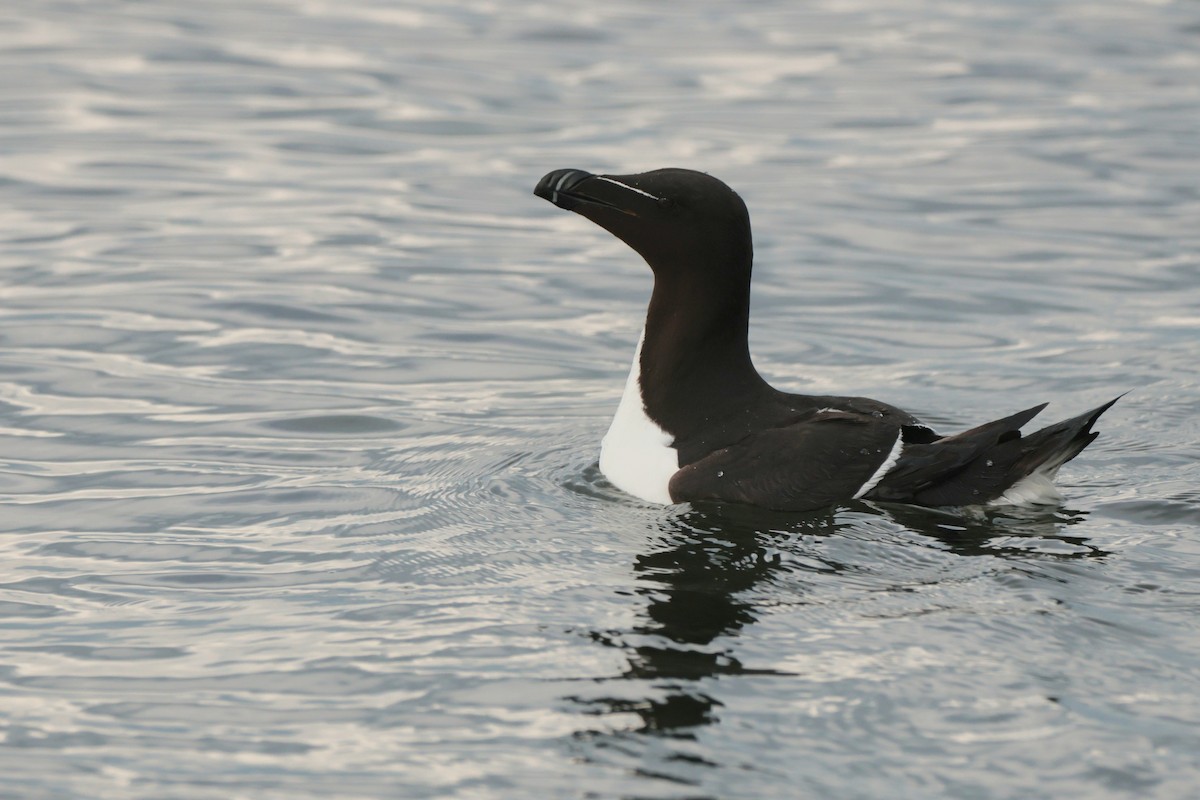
x: 694, y: 581
x: 1008, y: 532
x: 704, y: 569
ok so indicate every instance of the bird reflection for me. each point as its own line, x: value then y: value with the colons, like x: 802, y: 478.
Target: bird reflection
x: 696, y: 580
x: 998, y: 531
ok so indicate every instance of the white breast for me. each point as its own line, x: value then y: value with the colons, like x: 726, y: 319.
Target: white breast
x: 636, y: 455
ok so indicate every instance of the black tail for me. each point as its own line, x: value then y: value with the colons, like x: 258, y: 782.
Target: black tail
x: 982, y: 464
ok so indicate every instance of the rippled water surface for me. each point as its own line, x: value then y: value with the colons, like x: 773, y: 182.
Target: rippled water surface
x: 301, y: 391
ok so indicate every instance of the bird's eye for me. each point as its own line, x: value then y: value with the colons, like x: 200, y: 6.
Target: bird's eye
x: 666, y: 202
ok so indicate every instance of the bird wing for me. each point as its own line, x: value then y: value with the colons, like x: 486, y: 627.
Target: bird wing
x: 820, y: 461
x: 981, y: 464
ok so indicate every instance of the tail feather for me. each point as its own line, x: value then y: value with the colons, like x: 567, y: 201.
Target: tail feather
x: 990, y: 463
x: 1056, y: 444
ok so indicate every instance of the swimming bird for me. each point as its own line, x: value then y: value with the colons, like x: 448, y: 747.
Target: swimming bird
x: 697, y: 422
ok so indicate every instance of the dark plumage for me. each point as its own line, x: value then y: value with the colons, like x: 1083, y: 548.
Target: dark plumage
x: 698, y: 421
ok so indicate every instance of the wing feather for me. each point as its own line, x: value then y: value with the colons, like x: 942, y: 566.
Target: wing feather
x: 818, y: 462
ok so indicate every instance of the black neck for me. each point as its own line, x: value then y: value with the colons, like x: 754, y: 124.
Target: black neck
x: 696, y: 373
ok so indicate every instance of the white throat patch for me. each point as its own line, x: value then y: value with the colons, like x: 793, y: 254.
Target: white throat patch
x: 636, y: 455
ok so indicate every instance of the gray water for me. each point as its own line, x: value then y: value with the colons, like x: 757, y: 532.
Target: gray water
x: 301, y: 391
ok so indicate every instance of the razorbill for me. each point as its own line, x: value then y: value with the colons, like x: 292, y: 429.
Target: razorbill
x: 697, y: 421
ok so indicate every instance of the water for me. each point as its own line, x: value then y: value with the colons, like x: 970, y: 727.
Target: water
x: 301, y: 391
